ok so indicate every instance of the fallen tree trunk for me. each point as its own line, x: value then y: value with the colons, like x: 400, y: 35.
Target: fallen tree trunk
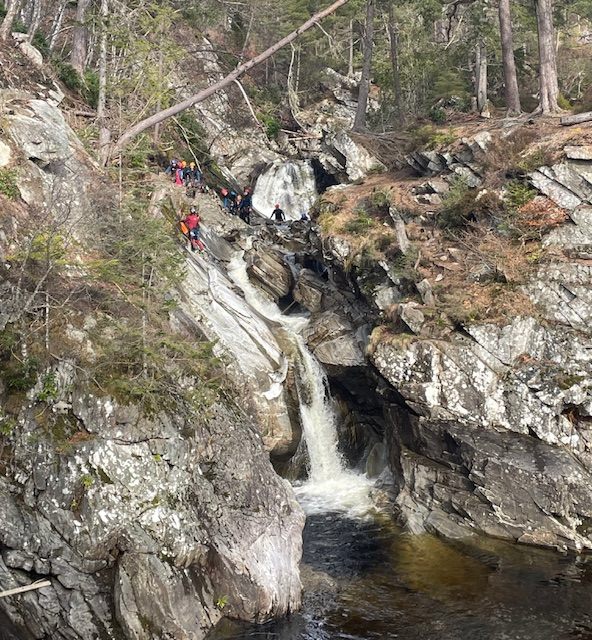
x: 230, y: 78
x: 579, y: 117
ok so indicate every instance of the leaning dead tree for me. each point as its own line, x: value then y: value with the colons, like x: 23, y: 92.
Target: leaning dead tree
x: 221, y: 84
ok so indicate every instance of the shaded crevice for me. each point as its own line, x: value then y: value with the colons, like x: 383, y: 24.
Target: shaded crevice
x: 323, y: 179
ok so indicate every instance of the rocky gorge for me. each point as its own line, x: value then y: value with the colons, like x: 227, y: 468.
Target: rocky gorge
x: 158, y: 524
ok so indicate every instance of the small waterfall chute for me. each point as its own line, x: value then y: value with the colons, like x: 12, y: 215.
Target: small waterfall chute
x: 330, y: 486
x: 291, y: 183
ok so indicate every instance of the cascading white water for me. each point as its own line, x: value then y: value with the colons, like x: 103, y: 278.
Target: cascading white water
x: 330, y: 486
x: 291, y: 183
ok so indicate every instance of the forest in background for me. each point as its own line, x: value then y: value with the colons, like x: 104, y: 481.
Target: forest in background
x: 413, y: 60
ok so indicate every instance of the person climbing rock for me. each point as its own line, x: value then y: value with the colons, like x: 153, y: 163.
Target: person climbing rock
x: 171, y: 170
x: 179, y: 175
x: 192, y: 222
x: 278, y: 214
x: 232, y: 203
x: 236, y: 203
x: 189, y: 174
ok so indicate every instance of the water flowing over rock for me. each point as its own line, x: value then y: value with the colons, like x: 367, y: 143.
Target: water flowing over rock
x: 291, y: 183
x: 210, y: 304
x: 463, y: 415
x: 147, y: 526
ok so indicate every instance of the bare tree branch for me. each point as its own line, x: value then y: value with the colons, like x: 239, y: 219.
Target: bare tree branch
x: 231, y: 77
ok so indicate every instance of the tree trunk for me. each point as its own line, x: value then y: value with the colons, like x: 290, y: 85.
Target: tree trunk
x: 217, y: 86
x: 481, y: 80
x: 350, y: 62
x: 35, y: 20
x: 159, y: 101
x: 6, y: 26
x: 394, y: 38
x: 57, y: 25
x: 104, y: 132
x: 576, y: 119
x: 548, y: 83
x: 511, y: 92
x: 364, y: 89
x: 79, y: 37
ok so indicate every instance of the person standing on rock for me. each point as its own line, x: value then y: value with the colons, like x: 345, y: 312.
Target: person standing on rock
x: 236, y: 204
x: 246, y: 206
x: 278, y: 214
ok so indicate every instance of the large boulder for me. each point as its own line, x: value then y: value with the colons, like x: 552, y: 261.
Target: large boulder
x: 146, y: 513
x: 494, y: 405
x: 56, y: 177
x: 335, y: 342
x: 268, y: 268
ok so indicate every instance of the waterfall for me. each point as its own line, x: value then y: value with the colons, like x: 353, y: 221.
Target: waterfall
x: 291, y: 183
x: 330, y: 486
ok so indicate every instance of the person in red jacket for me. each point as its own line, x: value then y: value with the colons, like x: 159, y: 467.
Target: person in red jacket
x: 192, y: 222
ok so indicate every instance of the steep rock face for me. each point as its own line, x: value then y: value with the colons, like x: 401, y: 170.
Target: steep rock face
x: 488, y: 408
x: 147, y: 526
x: 147, y: 514
x: 496, y: 434
x: 57, y: 173
x: 210, y: 304
x: 486, y: 428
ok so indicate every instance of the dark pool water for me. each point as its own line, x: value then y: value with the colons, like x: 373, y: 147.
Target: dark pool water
x: 367, y: 580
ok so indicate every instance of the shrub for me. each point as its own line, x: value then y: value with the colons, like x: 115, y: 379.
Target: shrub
x: 8, y: 185
x: 438, y: 115
x: 272, y: 125
x: 68, y: 75
x: 457, y: 205
x: 361, y: 224
x: 563, y: 102
x: 91, y: 88
x: 535, y: 159
x: 518, y: 193
x: 504, y: 155
x: 380, y: 200
x: 40, y: 43
x: 430, y: 137
x: 537, y: 216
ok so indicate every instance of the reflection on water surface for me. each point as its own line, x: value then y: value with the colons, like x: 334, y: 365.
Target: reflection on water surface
x: 366, y: 580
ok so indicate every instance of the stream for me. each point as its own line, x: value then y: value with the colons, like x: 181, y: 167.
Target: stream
x: 366, y: 579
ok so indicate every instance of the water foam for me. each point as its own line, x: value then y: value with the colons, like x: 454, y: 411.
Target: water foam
x: 330, y: 486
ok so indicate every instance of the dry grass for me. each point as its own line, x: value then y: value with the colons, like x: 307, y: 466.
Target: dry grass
x: 540, y: 215
x: 359, y: 215
x: 478, y: 276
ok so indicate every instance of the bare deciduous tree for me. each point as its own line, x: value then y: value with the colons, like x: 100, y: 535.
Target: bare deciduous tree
x: 364, y: 89
x: 151, y: 121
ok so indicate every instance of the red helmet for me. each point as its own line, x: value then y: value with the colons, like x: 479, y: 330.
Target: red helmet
x: 277, y: 206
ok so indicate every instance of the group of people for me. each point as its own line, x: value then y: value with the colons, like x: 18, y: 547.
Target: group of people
x: 185, y: 174
x: 188, y: 174
x: 237, y: 204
